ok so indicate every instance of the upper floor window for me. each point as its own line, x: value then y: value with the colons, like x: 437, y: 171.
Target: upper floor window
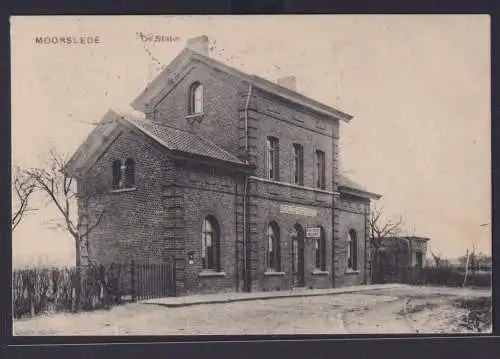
x: 129, y: 173
x: 320, y: 169
x: 272, y: 158
x: 117, y: 173
x: 352, y: 250
x: 196, y: 99
x: 273, y: 247
x: 210, y: 244
x: 123, y: 175
x: 320, y: 251
x: 298, y: 153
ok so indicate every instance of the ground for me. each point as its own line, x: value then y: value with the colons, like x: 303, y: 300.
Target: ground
x: 387, y: 311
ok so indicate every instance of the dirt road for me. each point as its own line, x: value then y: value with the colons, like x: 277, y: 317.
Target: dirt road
x: 406, y: 310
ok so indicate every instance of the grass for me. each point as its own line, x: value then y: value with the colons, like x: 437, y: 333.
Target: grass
x: 478, y: 315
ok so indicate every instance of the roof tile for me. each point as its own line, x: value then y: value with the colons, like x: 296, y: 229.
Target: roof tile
x: 178, y: 140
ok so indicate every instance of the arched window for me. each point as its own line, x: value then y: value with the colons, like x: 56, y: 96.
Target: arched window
x: 210, y: 247
x: 320, y: 251
x: 352, y: 250
x: 273, y: 247
x: 196, y: 98
x: 117, y: 173
x: 129, y: 173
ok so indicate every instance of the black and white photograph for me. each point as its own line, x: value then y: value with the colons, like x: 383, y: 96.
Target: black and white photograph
x: 251, y: 175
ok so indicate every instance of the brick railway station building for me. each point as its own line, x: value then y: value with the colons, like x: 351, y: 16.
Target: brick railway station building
x: 233, y: 176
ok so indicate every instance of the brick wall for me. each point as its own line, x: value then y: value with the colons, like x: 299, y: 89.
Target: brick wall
x: 163, y: 217
x: 204, y: 193
x: 133, y: 223
x: 352, y: 214
x: 221, y: 95
x: 271, y: 117
x: 264, y: 209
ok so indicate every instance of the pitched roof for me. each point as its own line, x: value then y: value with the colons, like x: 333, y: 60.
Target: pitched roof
x: 348, y: 186
x: 97, y: 141
x: 164, y: 82
x: 177, y: 141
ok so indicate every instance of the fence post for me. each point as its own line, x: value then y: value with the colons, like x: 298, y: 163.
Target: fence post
x: 132, y: 281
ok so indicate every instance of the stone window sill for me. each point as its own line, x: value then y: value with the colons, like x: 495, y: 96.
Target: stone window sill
x: 121, y: 190
x: 208, y: 274
x: 350, y: 271
x: 272, y: 273
x: 319, y: 272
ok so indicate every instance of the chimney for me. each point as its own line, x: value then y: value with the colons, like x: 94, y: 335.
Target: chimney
x: 290, y: 82
x: 198, y: 44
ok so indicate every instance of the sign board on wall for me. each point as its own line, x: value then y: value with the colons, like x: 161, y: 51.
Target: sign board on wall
x: 313, y: 232
x: 301, y: 211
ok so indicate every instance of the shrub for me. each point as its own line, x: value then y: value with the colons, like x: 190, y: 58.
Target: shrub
x: 446, y: 276
x: 38, y: 290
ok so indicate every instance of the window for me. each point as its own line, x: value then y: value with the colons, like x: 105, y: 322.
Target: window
x: 298, y: 153
x: 272, y: 158
x: 419, y: 259
x: 320, y: 169
x: 352, y: 250
x: 196, y: 99
x: 129, y: 173
x: 123, y: 175
x: 117, y: 173
x: 320, y: 251
x: 273, y: 247
x: 210, y: 251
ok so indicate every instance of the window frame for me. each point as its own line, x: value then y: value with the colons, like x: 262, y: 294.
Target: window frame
x: 116, y: 168
x: 272, y: 158
x: 273, y: 248
x: 196, y: 95
x: 320, y: 251
x: 210, y: 261
x: 419, y: 263
x: 129, y: 173
x: 320, y: 167
x: 352, y: 250
x: 298, y: 155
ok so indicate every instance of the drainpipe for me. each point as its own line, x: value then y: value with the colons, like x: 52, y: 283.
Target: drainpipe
x: 366, y: 246
x: 246, y: 279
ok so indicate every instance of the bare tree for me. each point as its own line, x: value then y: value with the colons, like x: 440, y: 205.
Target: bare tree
x: 60, y: 189
x: 469, y: 262
x: 22, y: 187
x: 436, y: 258
x: 380, y: 229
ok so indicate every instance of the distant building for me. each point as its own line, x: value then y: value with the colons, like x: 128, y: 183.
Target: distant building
x: 233, y: 176
x: 394, y: 255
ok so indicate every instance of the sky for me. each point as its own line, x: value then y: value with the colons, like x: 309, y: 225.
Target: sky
x: 418, y: 87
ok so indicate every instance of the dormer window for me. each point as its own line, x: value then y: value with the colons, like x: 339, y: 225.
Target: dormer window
x: 196, y: 99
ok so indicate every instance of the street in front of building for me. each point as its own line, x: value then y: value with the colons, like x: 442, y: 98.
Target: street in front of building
x: 399, y: 309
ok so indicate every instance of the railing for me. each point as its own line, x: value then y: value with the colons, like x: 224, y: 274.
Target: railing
x: 38, y: 290
x: 153, y: 280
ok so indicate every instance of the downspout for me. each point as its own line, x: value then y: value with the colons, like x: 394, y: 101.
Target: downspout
x: 365, y: 264
x: 236, y: 241
x: 246, y: 279
x: 334, y: 203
